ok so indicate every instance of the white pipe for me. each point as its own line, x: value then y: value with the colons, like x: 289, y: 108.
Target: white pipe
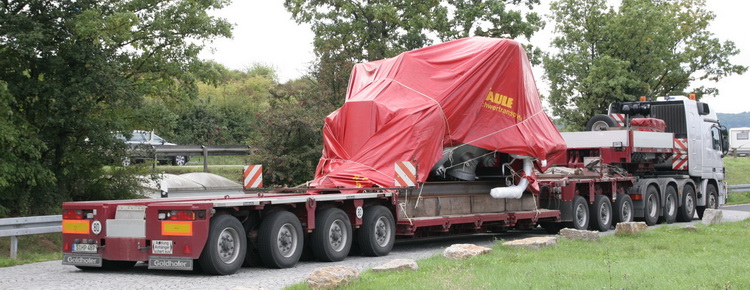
x: 515, y: 191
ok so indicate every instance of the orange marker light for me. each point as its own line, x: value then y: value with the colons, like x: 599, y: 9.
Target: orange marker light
x: 692, y: 96
x: 643, y: 98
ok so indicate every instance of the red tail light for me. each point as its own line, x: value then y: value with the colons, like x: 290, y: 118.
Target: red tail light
x: 182, y: 215
x: 73, y: 214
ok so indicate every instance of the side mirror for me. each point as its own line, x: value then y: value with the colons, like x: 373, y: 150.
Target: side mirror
x: 703, y: 109
x: 724, y: 140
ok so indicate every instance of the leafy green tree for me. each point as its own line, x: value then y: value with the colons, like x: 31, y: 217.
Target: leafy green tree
x: 290, y: 142
x: 641, y: 48
x: 78, y: 70
x: 347, y: 32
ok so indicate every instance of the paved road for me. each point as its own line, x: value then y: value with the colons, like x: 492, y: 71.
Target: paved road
x: 53, y: 275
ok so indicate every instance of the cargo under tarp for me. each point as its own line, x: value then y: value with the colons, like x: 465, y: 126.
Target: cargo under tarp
x: 477, y: 91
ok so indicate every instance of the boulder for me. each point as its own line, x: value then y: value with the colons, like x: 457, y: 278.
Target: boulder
x: 397, y: 265
x: 630, y: 228
x: 534, y: 243
x: 331, y: 277
x: 464, y: 251
x: 712, y: 216
x: 573, y: 234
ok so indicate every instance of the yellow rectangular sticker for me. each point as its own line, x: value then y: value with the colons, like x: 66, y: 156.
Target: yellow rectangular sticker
x: 75, y: 226
x: 170, y: 228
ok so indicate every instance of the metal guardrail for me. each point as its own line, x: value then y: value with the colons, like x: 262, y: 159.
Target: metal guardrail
x: 190, y: 150
x: 739, y: 188
x: 21, y: 226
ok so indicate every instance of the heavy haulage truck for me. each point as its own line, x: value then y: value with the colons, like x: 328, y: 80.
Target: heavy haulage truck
x: 448, y: 139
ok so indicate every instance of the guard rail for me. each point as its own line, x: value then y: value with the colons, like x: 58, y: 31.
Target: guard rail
x: 21, y: 226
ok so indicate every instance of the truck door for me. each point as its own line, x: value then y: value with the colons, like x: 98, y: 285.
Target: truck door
x: 713, y: 167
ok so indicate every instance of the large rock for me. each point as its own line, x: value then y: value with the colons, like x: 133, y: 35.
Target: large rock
x: 533, y: 243
x: 712, y: 216
x: 397, y: 265
x: 463, y: 251
x: 331, y: 277
x: 630, y: 228
x: 574, y: 234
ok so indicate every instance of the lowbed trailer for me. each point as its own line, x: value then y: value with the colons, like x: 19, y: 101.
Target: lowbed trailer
x: 449, y: 139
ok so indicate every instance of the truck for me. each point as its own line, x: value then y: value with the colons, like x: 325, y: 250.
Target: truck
x: 447, y: 139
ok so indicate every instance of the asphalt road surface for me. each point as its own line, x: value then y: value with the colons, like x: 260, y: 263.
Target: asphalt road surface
x: 53, y: 275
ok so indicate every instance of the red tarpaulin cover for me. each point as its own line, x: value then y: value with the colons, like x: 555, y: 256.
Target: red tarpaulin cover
x: 477, y: 91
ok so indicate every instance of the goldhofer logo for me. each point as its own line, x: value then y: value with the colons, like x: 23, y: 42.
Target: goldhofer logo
x: 170, y: 263
x: 500, y: 103
x: 82, y: 260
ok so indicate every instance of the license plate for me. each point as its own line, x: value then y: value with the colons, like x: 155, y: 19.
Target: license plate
x: 84, y: 248
x: 161, y: 247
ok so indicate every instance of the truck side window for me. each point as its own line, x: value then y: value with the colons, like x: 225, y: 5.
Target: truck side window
x: 716, y: 138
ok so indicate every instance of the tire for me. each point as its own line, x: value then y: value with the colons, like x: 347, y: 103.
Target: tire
x: 377, y: 234
x: 712, y: 200
x: 669, y: 212
x: 280, y: 240
x: 601, y: 213
x: 179, y: 160
x: 600, y: 122
x: 622, y: 209
x: 581, y: 214
x: 332, y: 237
x: 109, y: 265
x: 125, y: 161
x: 651, y: 206
x: 225, y: 248
x: 686, y: 212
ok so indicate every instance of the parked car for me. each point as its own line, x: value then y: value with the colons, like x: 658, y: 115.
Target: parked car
x: 141, y: 144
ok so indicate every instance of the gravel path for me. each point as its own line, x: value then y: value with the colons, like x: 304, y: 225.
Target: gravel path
x: 53, y: 275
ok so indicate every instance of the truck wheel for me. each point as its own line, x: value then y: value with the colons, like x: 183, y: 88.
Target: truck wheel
x: 179, y: 160
x: 712, y: 200
x: 623, y: 209
x: 686, y: 212
x: 669, y: 212
x: 225, y: 247
x: 280, y: 241
x: 332, y: 237
x: 601, y: 212
x: 580, y: 213
x: 600, y: 122
x: 651, y: 207
x: 378, y: 231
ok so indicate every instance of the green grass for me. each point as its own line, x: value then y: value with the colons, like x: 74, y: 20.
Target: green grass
x: 738, y: 170
x: 32, y: 249
x: 713, y: 257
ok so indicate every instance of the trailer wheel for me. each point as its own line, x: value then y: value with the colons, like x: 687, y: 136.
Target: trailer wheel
x: 600, y: 122
x: 332, y: 237
x: 580, y: 213
x: 651, y: 207
x: 712, y: 200
x: 669, y: 213
x: 225, y: 248
x: 280, y: 241
x: 601, y: 212
x: 378, y: 231
x: 623, y: 209
x: 686, y: 212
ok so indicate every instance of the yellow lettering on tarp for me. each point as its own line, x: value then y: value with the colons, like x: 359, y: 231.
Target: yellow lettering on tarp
x: 358, y: 178
x: 500, y: 103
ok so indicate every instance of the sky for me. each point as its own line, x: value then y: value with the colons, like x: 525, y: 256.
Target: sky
x: 264, y: 33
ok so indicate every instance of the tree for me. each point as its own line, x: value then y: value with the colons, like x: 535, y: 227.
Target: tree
x: 290, y: 142
x: 78, y: 70
x: 641, y: 48
x: 347, y: 32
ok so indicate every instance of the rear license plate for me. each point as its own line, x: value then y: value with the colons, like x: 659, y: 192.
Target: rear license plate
x: 84, y: 248
x: 161, y: 247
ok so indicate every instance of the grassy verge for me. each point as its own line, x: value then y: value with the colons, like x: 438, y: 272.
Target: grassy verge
x: 31, y: 249
x: 737, y: 170
x: 738, y: 198
x: 232, y: 172
x: 713, y: 257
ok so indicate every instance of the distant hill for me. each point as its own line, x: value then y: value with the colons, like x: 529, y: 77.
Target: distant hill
x: 735, y: 120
